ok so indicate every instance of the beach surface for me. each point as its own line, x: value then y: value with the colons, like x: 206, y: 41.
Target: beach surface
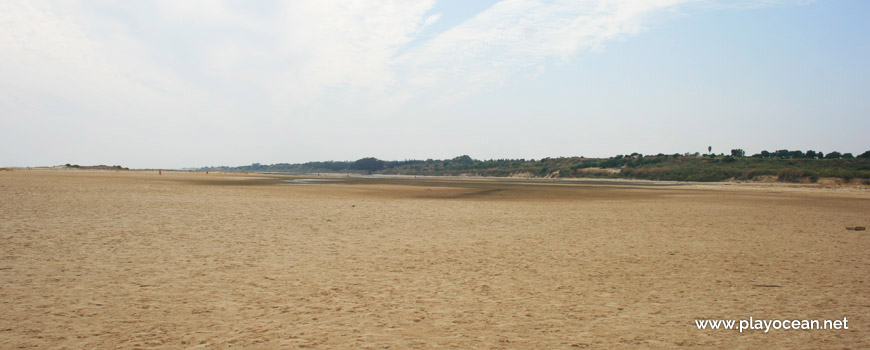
x: 134, y: 259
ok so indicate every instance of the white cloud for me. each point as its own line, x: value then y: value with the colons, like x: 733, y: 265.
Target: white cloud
x: 170, y: 67
x: 345, y: 45
x: 304, y: 54
x: 48, y: 53
x: 514, y: 36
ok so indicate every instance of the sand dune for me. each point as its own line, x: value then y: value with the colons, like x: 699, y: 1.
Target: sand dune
x: 101, y: 259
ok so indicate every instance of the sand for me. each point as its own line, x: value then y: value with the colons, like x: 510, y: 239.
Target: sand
x: 127, y: 259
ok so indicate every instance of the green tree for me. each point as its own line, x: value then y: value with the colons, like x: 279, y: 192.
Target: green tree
x: 463, y: 159
x: 369, y: 164
x: 738, y: 153
x: 796, y: 154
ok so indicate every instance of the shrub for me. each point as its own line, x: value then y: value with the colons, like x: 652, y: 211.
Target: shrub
x: 751, y: 173
x: 790, y: 174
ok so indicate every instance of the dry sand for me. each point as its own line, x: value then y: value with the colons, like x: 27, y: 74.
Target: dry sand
x: 101, y: 259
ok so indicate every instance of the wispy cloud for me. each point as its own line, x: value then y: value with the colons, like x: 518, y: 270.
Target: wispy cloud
x: 299, y: 52
x: 51, y: 53
x: 184, y: 63
x: 345, y: 45
x: 518, y: 36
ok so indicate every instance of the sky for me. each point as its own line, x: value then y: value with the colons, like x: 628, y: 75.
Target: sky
x: 179, y: 84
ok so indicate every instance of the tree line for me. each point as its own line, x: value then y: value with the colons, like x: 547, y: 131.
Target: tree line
x: 786, y: 165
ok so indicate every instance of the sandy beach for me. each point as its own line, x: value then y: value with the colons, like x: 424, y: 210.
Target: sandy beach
x: 133, y: 259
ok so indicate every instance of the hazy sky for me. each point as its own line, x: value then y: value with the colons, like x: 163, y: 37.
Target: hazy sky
x: 193, y: 83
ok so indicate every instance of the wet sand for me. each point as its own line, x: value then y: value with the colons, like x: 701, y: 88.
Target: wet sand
x: 102, y: 259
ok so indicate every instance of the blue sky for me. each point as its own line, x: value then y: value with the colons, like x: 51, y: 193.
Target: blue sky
x: 193, y: 83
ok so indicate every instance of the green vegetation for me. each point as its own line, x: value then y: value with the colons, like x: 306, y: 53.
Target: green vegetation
x: 782, y: 165
x: 368, y: 165
x: 96, y: 167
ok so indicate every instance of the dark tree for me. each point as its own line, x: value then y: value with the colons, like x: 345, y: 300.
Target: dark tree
x: 369, y: 164
x: 737, y: 153
x: 765, y: 154
x: 464, y: 159
x: 848, y: 156
x: 811, y: 154
x: 864, y: 155
x: 833, y: 155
